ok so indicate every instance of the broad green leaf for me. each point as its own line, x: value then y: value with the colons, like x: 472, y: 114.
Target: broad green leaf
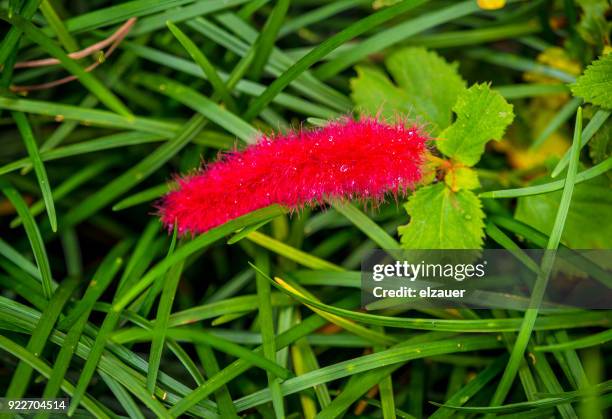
x: 462, y: 178
x: 323, y: 49
x: 443, y: 219
x: 595, y: 85
x: 427, y: 87
x: 482, y: 115
x: 374, y: 94
x: 431, y: 17
x: 589, y: 221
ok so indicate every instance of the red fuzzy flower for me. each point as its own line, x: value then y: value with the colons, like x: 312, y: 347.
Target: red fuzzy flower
x: 346, y: 159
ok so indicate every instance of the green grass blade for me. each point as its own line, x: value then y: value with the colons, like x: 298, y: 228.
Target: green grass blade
x: 11, y: 39
x: 99, y: 282
x: 579, y: 343
x: 62, y: 362
x: 551, y: 384
x: 85, y: 78
x: 199, y: 103
x: 241, y: 304
x: 594, y: 124
x: 197, y: 336
x: 141, y: 255
x: 318, y: 15
x: 397, y: 354
x: 231, y: 287
x: 41, y: 173
x: 21, y: 378
x: 161, y: 321
x: 506, y: 242
x: 118, y: 13
x: 267, y: 37
x: 416, y: 388
x: 33, y: 233
x: 178, y: 351
x: 145, y: 304
x: 539, y: 239
x: 385, y: 387
x: 56, y: 24
x: 179, y: 14
x: 583, y: 176
x: 278, y: 63
x: 142, y: 197
x: 123, y: 397
x: 570, y: 362
x: 366, y: 225
x: 19, y: 260
x: 117, y: 367
x: 305, y: 360
x: 245, y: 86
x: 72, y: 252
x: 90, y: 116
x: 358, y: 385
x: 309, y: 408
x: 559, y: 119
x: 136, y: 174
x: 393, y: 35
x: 124, y: 62
x: 39, y: 365
x: 95, y: 353
x: 350, y: 326
x: 82, y: 176
x: 292, y: 253
x: 472, y: 388
x: 238, y: 367
x: 222, y: 395
x: 453, y: 39
x: 207, y: 67
x: 522, y: 340
x: 551, y: 322
x: 267, y: 329
x: 520, y: 91
x: 195, y: 245
x: 251, y: 7
x: 23, y: 285
x: 330, y: 44
x: 519, y: 63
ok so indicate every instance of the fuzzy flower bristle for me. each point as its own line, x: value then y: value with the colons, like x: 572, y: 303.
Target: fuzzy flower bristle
x: 346, y: 159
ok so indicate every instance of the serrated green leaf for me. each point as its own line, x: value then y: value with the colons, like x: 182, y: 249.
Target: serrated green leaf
x: 482, y: 115
x: 589, y: 221
x: 595, y: 85
x: 443, y: 219
x: 462, y: 178
x: 427, y: 88
x: 373, y: 93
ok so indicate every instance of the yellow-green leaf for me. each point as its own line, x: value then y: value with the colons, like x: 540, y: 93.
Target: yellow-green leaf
x: 482, y: 115
x: 426, y: 88
x: 443, y: 219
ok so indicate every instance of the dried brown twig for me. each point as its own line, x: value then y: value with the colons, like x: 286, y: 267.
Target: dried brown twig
x: 114, y: 40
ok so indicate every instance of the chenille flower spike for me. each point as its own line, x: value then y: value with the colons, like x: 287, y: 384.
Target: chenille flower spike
x: 346, y: 159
